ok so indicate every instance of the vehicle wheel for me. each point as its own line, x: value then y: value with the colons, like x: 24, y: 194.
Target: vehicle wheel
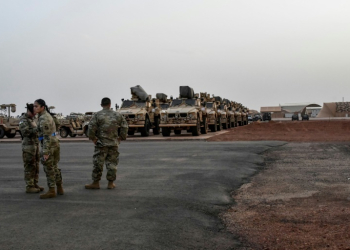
x: 213, y: 128
x: 197, y: 129
x: 166, y: 131
x: 156, y: 128
x: 9, y: 135
x: 224, y: 125
x: 63, y: 132
x: 233, y: 123
x: 204, y: 129
x: 177, y: 132
x: 86, y: 132
x: 131, y: 132
x: 229, y: 122
x: 146, y: 128
x: 219, y: 125
x: 2, y: 133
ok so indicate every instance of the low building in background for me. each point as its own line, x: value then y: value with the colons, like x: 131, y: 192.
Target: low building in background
x: 289, y: 109
x: 334, y: 109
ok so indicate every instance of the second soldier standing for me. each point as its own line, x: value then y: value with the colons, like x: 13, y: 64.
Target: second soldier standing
x: 103, y: 131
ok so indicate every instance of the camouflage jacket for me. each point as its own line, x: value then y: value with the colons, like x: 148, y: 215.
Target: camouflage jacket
x: 104, y: 127
x: 46, y: 129
x: 29, y: 130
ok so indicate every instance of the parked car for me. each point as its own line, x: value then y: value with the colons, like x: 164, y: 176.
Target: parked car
x: 257, y: 117
x: 305, y: 117
x: 266, y: 116
x: 250, y: 118
x: 295, y: 117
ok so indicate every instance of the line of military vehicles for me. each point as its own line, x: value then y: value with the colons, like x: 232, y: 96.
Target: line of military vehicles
x: 190, y: 112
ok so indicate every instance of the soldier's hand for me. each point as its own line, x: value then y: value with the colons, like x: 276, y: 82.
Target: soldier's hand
x: 45, y: 157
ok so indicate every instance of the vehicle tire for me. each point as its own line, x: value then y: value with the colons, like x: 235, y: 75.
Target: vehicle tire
x: 197, y: 129
x: 2, y: 133
x: 204, y: 129
x: 229, y: 122
x: 166, y: 131
x: 86, y: 132
x: 177, y: 132
x: 224, y: 125
x: 219, y: 125
x: 63, y: 133
x: 146, y: 128
x: 9, y: 135
x: 131, y: 132
x: 213, y: 128
x: 156, y: 128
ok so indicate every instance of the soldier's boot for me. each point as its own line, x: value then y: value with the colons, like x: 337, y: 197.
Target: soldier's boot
x: 32, y: 190
x: 50, y: 194
x: 60, y: 189
x: 111, y: 185
x: 39, y: 187
x: 94, y: 185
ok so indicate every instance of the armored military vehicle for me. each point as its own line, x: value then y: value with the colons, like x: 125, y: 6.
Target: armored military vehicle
x: 231, y: 112
x: 236, y: 107
x: 244, y: 115
x: 185, y: 113
x: 140, y: 112
x: 224, y: 116
x: 8, y: 125
x: 213, y: 117
x: 73, y: 125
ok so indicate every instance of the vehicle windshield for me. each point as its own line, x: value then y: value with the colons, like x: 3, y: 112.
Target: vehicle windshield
x: 164, y: 106
x: 191, y: 102
x: 140, y: 104
x: 128, y: 104
x: 210, y: 105
x: 176, y: 103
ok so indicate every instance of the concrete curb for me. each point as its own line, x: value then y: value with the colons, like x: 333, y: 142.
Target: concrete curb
x: 136, y: 139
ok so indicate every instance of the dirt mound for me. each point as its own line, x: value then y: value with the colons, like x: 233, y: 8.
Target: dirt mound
x: 300, y: 201
x: 302, y: 131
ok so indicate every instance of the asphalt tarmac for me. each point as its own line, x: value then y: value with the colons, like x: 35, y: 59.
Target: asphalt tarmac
x: 169, y: 196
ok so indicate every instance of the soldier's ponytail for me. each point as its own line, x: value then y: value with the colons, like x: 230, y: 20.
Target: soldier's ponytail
x: 42, y: 103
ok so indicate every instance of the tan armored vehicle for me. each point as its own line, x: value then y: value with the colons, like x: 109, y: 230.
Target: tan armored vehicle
x: 224, y: 115
x: 185, y: 113
x: 240, y: 116
x: 140, y: 112
x: 212, y: 112
x: 73, y: 125
x: 8, y: 125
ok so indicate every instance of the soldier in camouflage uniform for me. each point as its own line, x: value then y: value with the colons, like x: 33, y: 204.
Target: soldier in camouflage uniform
x: 50, y: 149
x: 30, y: 150
x: 103, y: 131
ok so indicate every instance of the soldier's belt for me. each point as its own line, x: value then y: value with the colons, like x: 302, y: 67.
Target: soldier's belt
x: 42, y: 137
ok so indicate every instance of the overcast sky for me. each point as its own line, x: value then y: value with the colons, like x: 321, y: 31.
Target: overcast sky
x: 259, y: 53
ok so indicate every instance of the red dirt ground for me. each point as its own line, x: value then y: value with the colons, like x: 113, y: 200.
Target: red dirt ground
x: 298, y: 131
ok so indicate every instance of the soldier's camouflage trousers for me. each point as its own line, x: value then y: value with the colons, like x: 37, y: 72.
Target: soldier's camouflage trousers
x: 108, y: 156
x: 53, y: 173
x: 30, y: 154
